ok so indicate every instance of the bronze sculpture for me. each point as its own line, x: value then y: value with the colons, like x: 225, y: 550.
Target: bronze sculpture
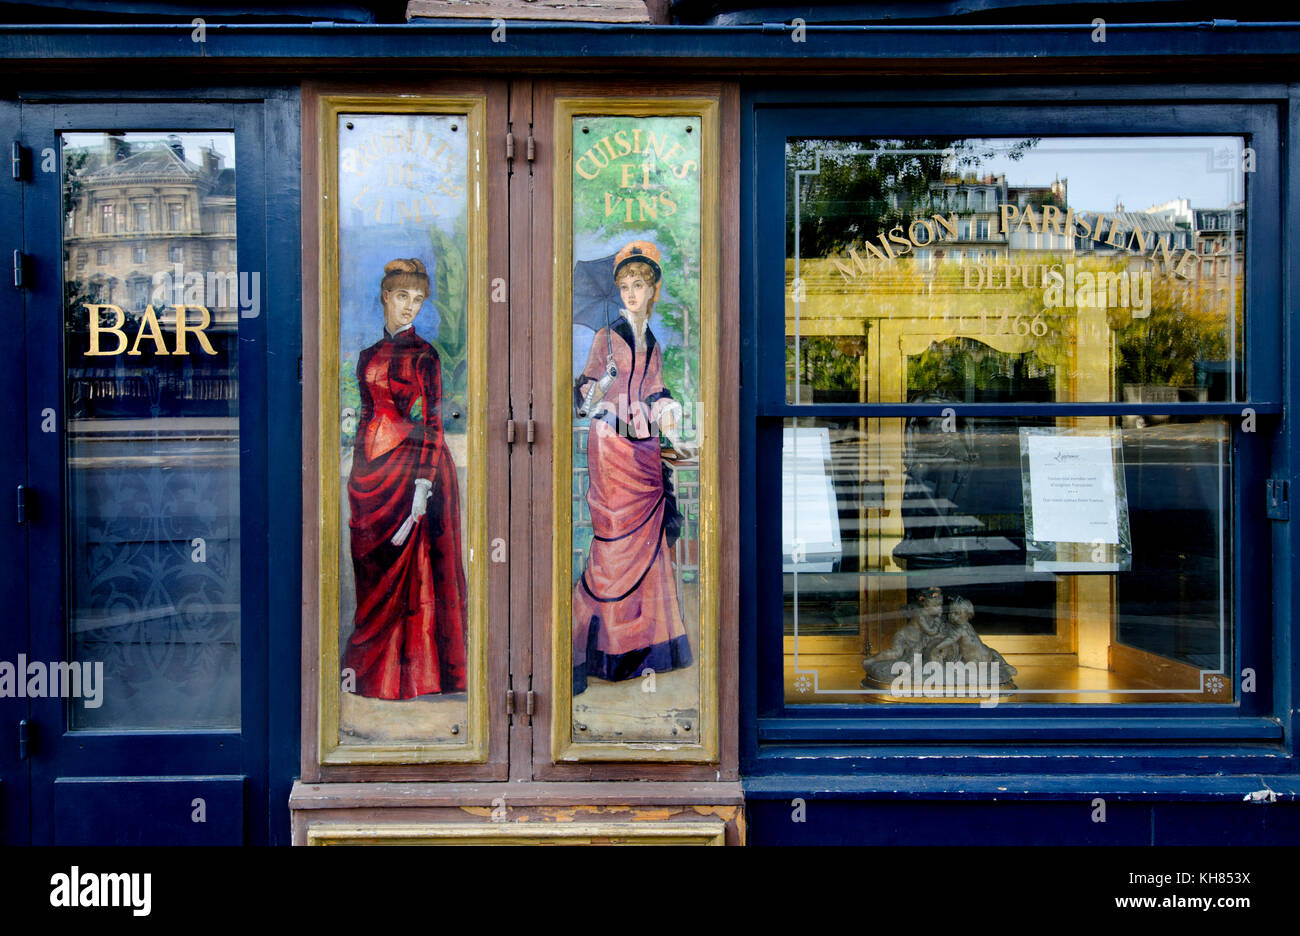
x: 937, y: 635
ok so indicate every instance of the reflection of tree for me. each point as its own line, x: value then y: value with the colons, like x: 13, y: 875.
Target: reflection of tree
x: 1045, y: 197
x: 861, y: 193
x: 830, y: 363
x: 964, y: 369
x: 76, y: 292
x: 1187, y: 324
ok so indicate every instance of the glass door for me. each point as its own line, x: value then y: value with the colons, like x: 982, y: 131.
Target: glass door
x: 146, y: 436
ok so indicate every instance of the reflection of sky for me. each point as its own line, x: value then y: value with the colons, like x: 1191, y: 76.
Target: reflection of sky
x: 1138, y: 171
x: 366, y: 244
x: 594, y: 246
x: 221, y: 143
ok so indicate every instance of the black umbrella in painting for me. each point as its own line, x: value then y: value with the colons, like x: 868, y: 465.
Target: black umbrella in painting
x: 596, y: 299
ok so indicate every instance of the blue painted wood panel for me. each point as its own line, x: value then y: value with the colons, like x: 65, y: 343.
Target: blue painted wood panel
x: 149, y: 811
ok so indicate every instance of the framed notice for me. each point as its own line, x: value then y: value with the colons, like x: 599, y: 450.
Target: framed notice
x: 402, y: 417
x: 1075, y: 503
x: 635, y: 636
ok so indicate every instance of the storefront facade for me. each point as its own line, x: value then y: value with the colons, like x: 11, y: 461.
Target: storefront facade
x: 702, y: 432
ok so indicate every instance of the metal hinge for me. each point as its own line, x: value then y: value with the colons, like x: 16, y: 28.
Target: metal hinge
x: 510, y: 701
x: 26, y: 737
x: 530, y: 431
x: 530, y: 703
x: 19, y: 262
x: 532, y: 148
x: 510, y: 145
x: 1279, y: 504
x: 22, y: 503
x: 18, y: 162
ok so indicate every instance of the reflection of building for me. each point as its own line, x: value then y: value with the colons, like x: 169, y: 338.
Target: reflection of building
x: 1049, y: 238
x: 140, y: 210
x: 977, y: 201
x: 1221, y: 241
x: 1135, y: 235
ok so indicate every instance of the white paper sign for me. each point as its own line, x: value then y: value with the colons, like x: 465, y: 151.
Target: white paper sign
x: 1072, y: 489
x: 810, y: 520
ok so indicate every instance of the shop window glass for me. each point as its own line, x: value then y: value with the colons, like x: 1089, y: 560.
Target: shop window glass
x: 1117, y: 312
x: 1044, y: 556
x: 152, y: 403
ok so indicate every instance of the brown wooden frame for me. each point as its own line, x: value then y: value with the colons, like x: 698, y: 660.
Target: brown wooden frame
x: 539, y: 490
x: 520, y: 223
x: 494, y: 175
x: 409, y: 806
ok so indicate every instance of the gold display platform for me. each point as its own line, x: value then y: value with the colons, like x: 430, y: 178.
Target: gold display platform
x: 520, y: 813
x: 1040, y: 679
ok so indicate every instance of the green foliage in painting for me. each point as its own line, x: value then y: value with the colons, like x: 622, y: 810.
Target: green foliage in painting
x: 349, y: 398
x: 451, y: 299
x: 660, y: 203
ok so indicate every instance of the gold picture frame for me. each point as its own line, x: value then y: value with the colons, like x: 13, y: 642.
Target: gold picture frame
x: 563, y: 748
x: 701, y: 832
x: 473, y: 749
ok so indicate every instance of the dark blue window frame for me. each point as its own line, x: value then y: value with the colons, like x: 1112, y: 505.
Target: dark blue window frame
x: 1254, y: 733
x: 264, y: 752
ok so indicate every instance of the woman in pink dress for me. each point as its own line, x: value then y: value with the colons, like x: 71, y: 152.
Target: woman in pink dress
x: 626, y: 614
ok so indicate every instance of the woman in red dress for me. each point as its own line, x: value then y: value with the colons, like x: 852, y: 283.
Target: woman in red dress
x: 409, y: 638
x: 626, y: 615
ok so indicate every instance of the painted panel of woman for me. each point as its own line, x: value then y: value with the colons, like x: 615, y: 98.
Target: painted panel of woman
x: 409, y: 638
x: 626, y: 614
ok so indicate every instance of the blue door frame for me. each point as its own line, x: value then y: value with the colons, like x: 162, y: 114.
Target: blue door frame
x: 105, y: 787
x: 863, y: 765
x: 14, y: 772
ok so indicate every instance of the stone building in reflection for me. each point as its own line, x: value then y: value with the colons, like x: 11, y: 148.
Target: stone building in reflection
x: 141, y: 210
